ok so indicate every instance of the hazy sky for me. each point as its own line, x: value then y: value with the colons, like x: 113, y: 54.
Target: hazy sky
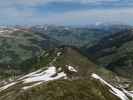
x: 66, y: 12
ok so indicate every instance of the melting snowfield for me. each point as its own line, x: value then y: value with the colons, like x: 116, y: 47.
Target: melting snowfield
x: 7, y: 86
x: 44, y: 75
x: 47, y: 75
x: 37, y: 78
x: 122, y: 94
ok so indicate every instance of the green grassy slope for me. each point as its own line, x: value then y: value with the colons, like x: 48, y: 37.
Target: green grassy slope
x: 61, y: 90
x: 78, y: 85
x: 115, y: 52
x: 19, y: 46
x: 68, y: 56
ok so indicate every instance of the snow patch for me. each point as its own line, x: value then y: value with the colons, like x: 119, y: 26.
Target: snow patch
x: 30, y: 74
x: 28, y: 87
x: 37, y: 78
x: 128, y: 93
x: 113, y: 90
x: 7, y: 86
x: 47, y: 75
x: 71, y: 68
x: 58, y: 54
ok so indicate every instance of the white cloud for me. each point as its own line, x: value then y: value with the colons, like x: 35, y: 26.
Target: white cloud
x: 37, y: 2
x: 40, y: 2
x: 88, y: 16
x: 98, y: 1
x: 80, y: 17
x: 10, y: 13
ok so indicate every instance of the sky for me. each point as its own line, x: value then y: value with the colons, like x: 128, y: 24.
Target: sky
x: 66, y: 12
